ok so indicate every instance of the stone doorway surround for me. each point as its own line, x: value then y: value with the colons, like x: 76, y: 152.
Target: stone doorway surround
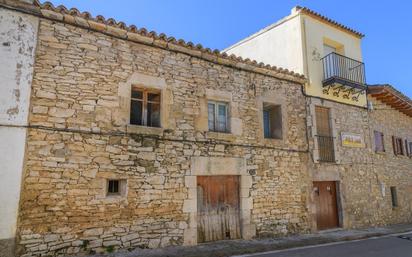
x: 328, y: 173
x: 213, y: 166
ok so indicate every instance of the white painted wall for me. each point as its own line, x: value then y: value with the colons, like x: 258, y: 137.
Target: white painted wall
x: 11, y: 165
x: 279, y: 45
x: 18, y: 37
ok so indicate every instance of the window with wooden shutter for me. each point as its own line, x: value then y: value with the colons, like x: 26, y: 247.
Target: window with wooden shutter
x: 324, y: 134
x: 410, y: 148
x: 397, y: 143
x: 379, y: 142
x: 407, y: 149
x: 323, y: 127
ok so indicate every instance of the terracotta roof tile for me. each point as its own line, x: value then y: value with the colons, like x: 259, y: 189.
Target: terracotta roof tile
x: 191, y: 47
x: 328, y: 20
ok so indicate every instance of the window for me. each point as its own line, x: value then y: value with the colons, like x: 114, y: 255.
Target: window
x: 116, y: 187
x: 379, y: 142
x: 394, y: 196
x: 324, y: 134
x: 113, y: 187
x: 218, y: 116
x: 397, y: 145
x: 272, y: 121
x: 145, y: 107
x: 408, y: 148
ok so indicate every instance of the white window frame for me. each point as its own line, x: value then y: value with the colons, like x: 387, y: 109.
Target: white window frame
x: 216, y: 111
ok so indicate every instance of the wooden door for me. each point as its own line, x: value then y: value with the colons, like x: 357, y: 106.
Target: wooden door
x: 218, y: 208
x: 326, y: 205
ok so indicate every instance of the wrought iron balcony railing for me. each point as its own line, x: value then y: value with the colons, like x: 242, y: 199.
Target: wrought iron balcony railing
x: 326, y: 148
x: 341, y: 70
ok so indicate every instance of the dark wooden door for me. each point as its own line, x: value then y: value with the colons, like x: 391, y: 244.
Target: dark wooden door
x: 218, y: 208
x: 326, y: 204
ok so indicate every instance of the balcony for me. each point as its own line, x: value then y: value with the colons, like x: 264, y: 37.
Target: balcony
x: 326, y: 148
x: 343, y: 76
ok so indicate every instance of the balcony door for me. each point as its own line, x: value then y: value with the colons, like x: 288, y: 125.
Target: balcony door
x: 327, y: 49
x: 332, y: 69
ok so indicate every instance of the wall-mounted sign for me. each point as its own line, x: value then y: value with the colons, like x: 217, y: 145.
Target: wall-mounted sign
x: 352, y: 140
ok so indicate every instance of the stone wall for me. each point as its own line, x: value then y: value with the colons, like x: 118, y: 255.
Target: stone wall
x: 360, y: 172
x: 392, y: 170
x: 80, y: 137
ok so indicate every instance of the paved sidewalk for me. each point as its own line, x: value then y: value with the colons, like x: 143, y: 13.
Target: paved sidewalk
x: 238, y: 247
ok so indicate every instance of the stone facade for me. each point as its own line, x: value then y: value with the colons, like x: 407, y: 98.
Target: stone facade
x: 391, y: 170
x: 364, y: 176
x: 80, y: 136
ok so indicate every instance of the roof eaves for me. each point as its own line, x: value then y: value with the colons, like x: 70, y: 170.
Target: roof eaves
x: 375, y: 90
x: 328, y: 20
x: 120, y: 30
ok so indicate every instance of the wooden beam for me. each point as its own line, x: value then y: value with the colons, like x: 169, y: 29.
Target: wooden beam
x: 379, y: 95
x: 386, y: 98
x: 401, y: 105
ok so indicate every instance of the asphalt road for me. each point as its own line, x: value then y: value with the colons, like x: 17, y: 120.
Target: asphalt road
x: 391, y: 246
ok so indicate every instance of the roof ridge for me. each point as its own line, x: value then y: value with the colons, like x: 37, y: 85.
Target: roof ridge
x: 329, y: 20
x: 48, y: 7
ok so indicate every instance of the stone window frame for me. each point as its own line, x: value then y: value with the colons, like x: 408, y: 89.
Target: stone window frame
x: 147, y: 82
x: 102, y: 181
x: 214, y: 166
x: 235, y: 121
x: 122, y: 187
x: 313, y: 129
x: 275, y: 99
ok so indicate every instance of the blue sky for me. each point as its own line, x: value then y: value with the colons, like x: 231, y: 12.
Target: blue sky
x: 217, y: 24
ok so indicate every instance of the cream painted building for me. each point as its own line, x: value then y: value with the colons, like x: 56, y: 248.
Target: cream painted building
x: 326, y: 52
